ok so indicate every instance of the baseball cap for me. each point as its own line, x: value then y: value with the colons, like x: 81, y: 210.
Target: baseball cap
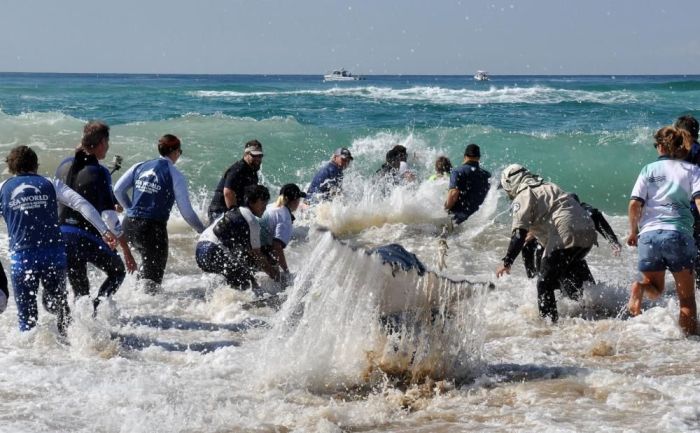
x: 292, y: 192
x: 254, y: 147
x: 472, y: 150
x: 343, y: 152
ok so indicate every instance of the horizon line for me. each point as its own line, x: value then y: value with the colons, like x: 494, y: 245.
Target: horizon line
x: 360, y: 75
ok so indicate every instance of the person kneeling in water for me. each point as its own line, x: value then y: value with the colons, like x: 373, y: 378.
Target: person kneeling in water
x: 276, y: 226
x: 231, y: 245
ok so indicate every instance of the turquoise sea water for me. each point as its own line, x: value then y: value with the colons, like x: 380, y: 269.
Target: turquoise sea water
x: 590, y: 134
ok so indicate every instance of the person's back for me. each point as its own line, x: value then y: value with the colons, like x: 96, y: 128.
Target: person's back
x: 667, y: 186
x: 29, y: 207
x: 469, y: 185
x: 89, y: 179
x: 555, y: 218
x: 473, y: 184
x: 236, y: 230
x: 276, y: 223
x: 153, y: 195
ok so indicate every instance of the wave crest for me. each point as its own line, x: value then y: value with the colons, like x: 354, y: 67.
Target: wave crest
x: 447, y: 96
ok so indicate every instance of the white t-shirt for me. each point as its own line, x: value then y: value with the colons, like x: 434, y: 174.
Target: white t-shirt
x: 666, y: 187
x: 276, y: 223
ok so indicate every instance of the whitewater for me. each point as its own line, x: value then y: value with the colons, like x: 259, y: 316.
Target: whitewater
x: 201, y: 357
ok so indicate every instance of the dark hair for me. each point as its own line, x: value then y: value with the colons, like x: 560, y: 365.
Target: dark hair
x: 443, y: 165
x: 22, y: 159
x: 675, y: 141
x: 168, y: 144
x: 392, y: 156
x: 253, y: 193
x: 689, y: 123
x: 93, y: 134
x: 401, y: 152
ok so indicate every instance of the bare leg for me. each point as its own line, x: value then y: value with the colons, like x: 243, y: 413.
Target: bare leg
x: 685, y: 288
x: 652, y: 285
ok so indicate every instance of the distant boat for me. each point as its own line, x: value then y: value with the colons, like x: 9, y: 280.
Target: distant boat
x: 481, y: 76
x: 341, y: 75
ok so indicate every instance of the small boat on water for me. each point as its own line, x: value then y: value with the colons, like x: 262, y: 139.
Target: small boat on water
x: 481, y: 76
x: 341, y: 75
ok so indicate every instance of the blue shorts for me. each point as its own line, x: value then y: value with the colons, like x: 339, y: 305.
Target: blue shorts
x: 666, y: 249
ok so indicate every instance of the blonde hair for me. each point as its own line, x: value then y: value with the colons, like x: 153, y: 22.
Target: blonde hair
x: 676, y: 142
x: 281, y: 201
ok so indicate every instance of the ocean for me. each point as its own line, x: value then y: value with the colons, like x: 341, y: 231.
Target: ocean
x: 196, y: 358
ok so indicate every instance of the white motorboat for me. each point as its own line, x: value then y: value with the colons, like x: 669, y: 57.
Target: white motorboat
x: 481, y: 76
x: 341, y: 75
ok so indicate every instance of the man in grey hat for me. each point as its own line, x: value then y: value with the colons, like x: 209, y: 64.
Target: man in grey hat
x: 328, y: 180
x: 469, y: 185
x: 559, y: 222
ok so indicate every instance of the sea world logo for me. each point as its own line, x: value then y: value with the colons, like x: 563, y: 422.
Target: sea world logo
x: 26, y: 196
x: 147, y: 182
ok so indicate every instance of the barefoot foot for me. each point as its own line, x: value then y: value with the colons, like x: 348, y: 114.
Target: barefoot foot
x: 636, y: 296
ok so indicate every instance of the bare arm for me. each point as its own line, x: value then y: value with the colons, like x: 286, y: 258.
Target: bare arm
x: 452, y: 197
x: 264, y: 264
x: 128, y: 257
x: 278, y: 253
x: 634, y: 213
x: 229, y: 198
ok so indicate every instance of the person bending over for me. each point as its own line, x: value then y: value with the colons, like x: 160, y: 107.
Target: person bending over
x: 469, y: 185
x: 276, y: 225
x: 231, y: 245
x: 328, y: 181
x: 558, y: 221
x: 29, y: 205
x: 155, y: 186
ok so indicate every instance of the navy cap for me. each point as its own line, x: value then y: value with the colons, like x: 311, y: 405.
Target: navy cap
x: 292, y: 192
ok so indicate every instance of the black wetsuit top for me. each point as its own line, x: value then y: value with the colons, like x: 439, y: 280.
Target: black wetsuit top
x: 234, y: 233
x: 92, y: 181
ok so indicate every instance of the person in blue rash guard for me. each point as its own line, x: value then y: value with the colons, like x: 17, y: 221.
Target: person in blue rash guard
x: 231, y: 245
x: 29, y: 205
x: 84, y: 174
x: 469, y: 185
x: 156, y: 185
x: 328, y: 180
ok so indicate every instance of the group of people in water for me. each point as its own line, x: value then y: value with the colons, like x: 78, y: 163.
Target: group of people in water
x: 57, y: 226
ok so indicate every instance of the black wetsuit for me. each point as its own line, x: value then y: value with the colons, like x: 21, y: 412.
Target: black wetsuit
x: 571, y: 281
x: 84, y: 244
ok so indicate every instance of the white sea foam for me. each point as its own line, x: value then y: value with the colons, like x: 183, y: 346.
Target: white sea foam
x: 449, y: 96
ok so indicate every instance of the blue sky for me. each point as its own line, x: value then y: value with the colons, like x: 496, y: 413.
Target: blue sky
x: 368, y: 37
